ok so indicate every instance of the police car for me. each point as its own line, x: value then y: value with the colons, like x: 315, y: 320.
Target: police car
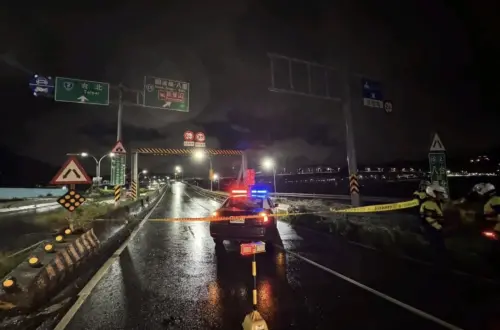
x: 250, y: 217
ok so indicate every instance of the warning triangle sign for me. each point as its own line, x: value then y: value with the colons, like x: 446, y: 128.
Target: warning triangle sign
x: 437, y: 145
x: 71, y: 172
x: 118, y: 148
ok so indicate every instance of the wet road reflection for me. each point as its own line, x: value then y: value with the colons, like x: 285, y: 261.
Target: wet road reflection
x: 171, y: 276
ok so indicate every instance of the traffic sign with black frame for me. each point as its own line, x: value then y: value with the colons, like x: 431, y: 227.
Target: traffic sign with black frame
x: 71, y: 200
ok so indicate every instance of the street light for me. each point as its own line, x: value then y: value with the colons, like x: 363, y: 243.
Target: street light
x: 178, y: 170
x: 199, y: 155
x: 216, y: 178
x: 269, y: 164
x: 97, y: 161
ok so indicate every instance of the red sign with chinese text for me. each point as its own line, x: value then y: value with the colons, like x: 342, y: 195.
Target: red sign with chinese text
x: 171, y: 96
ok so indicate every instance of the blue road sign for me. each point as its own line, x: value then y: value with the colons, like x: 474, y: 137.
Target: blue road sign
x: 372, y: 94
x: 42, y: 86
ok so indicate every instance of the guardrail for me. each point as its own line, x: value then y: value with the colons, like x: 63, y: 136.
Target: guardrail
x: 338, y: 197
x: 48, y: 206
x: 372, y: 199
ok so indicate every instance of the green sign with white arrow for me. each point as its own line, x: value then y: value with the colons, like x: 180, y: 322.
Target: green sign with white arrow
x: 81, y: 91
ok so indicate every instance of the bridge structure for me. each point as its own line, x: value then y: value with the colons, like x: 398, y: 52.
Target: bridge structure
x: 183, y: 152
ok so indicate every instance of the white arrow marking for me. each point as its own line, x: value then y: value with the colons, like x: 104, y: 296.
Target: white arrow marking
x: 82, y: 99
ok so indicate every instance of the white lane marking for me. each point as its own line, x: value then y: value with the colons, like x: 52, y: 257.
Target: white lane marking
x: 194, y: 201
x: 86, y: 291
x: 404, y: 257
x: 409, y: 308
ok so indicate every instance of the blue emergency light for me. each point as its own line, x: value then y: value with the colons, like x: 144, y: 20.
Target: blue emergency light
x: 260, y: 192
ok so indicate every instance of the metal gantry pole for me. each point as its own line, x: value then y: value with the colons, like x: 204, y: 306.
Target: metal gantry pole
x: 274, y: 176
x: 345, y: 101
x: 135, y: 175
x: 120, y: 113
x: 352, y: 163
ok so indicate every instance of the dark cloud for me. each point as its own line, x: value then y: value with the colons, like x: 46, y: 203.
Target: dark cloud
x: 420, y: 50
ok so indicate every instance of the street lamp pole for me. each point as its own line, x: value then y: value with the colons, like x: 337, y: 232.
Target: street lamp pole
x: 99, y: 166
x: 211, y: 173
x: 217, y: 178
x: 269, y: 163
x: 200, y: 155
x: 274, y: 177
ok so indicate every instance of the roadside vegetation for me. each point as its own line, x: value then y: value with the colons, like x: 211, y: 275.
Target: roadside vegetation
x: 82, y: 217
x: 9, y: 260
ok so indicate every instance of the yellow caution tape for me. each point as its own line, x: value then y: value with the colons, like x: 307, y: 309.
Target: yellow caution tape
x: 361, y: 209
x: 380, y: 207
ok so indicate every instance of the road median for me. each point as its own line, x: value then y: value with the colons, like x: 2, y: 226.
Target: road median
x: 60, y: 259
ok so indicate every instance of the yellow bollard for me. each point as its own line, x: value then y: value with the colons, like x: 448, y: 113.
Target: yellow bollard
x: 253, y: 320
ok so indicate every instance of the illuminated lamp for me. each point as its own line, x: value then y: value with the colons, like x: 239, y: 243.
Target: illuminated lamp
x: 48, y: 248
x: 9, y: 283
x: 34, y: 261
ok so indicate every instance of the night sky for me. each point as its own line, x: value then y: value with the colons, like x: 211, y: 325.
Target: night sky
x: 436, y: 62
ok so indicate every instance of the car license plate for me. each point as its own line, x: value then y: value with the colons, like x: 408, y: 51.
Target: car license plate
x: 239, y: 221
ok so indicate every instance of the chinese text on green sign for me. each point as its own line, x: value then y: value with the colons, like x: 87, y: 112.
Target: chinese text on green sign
x: 166, y: 94
x: 81, y: 91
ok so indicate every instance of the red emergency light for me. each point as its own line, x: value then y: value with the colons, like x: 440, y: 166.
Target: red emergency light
x: 239, y: 192
x: 490, y: 234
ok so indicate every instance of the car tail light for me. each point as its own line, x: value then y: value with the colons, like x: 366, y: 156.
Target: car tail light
x: 490, y: 235
x: 215, y: 214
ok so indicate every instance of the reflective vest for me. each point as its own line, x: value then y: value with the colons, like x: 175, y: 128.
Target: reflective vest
x: 420, y: 195
x: 491, y: 211
x: 431, y: 214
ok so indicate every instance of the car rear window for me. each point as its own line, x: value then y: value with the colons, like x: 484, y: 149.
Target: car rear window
x: 244, y: 203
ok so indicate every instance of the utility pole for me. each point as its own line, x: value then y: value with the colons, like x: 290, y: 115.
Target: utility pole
x: 323, y: 93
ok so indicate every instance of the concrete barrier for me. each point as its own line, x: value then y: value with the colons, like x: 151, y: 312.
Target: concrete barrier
x: 47, y: 266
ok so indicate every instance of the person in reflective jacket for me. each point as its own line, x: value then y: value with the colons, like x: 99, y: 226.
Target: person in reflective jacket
x: 431, y: 213
x: 491, y: 208
x: 420, y: 193
x: 474, y: 195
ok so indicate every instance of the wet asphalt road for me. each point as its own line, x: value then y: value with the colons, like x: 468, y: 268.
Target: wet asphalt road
x: 171, y: 277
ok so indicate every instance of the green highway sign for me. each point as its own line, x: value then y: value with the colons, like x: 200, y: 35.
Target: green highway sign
x: 437, y: 164
x: 166, y: 94
x: 118, y: 168
x: 81, y: 91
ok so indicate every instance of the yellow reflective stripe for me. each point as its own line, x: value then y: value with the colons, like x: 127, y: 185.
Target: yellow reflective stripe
x: 437, y: 226
x: 430, y: 220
